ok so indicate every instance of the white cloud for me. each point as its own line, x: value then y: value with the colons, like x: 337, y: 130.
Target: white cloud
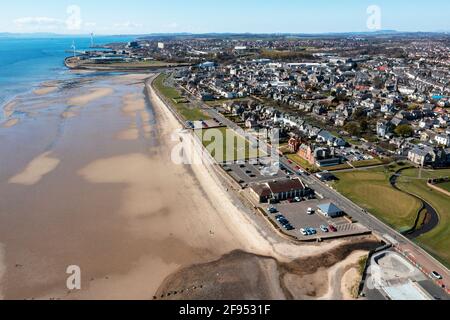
x: 173, y: 25
x: 38, y: 22
x: 74, y: 20
x: 90, y: 24
x: 127, y: 25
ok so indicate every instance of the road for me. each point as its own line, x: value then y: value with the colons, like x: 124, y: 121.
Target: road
x: 417, y: 254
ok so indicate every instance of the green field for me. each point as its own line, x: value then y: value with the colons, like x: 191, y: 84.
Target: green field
x: 187, y: 111
x: 437, y: 241
x: 230, y: 145
x: 367, y: 163
x: 371, y: 190
x: 445, y: 186
x: 301, y: 162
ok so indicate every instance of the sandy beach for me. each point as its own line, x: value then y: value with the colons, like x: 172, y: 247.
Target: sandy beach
x: 98, y: 189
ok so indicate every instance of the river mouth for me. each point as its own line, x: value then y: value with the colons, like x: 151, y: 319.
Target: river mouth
x: 430, y: 219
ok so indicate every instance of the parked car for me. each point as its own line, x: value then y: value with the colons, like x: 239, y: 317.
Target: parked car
x: 288, y: 227
x: 324, y: 228
x: 272, y: 210
x: 436, y: 275
x: 312, y: 231
x: 303, y: 232
x: 332, y: 228
x: 310, y: 211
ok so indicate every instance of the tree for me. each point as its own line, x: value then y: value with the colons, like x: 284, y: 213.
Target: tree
x: 364, y: 125
x: 352, y: 128
x: 404, y: 130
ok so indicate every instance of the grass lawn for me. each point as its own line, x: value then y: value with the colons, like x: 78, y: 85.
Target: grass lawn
x: 301, y: 162
x: 231, y: 146
x: 437, y: 241
x: 188, y: 112
x: 445, y: 186
x: 371, y: 190
x: 367, y: 163
x: 342, y: 166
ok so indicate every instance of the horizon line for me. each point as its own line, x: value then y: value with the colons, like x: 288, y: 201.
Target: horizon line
x: 368, y: 32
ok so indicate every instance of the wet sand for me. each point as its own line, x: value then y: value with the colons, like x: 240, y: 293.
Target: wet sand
x: 85, y: 99
x: 36, y: 170
x: 45, y: 90
x: 99, y: 190
x: 10, y: 123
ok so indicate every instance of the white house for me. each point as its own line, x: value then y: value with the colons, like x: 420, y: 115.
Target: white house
x: 443, y: 140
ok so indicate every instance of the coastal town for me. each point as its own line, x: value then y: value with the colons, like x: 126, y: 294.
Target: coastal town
x: 341, y: 108
x: 329, y: 152
x: 338, y: 103
x: 225, y: 159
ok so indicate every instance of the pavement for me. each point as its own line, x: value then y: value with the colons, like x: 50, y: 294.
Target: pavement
x: 391, y: 276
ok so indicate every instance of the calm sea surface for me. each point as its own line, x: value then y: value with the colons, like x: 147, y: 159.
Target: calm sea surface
x: 26, y: 62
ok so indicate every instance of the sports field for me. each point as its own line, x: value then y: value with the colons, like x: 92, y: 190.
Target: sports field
x: 371, y: 190
x: 436, y: 241
x: 226, y: 145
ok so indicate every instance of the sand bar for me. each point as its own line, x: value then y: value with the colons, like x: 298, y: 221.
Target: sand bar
x: 95, y: 94
x: 36, y: 170
x: 8, y: 109
x: 45, y: 90
x: 10, y: 123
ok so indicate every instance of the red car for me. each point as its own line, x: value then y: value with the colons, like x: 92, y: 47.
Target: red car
x: 290, y: 161
x: 332, y: 228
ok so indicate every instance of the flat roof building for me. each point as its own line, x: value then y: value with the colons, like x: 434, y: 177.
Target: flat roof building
x: 330, y: 210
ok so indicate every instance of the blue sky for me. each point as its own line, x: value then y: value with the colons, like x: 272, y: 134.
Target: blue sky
x: 198, y: 16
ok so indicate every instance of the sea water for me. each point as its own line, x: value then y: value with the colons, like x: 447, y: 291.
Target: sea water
x: 25, y: 62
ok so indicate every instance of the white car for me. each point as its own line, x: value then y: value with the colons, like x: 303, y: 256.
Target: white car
x: 436, y: 275
x: 310, y: 211
x: 303, y: 232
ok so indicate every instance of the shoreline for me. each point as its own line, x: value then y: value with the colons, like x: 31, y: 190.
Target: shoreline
x: 125, y: 186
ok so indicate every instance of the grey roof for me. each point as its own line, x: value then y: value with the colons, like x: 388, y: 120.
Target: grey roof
x: 329, y: 208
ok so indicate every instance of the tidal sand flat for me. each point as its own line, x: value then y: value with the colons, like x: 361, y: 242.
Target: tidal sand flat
x: 8, y: 109
x: 45, y: 90
x: 10, y: 123
x: 93, y: 95
x: 120, y: 209
x: 36, y: 170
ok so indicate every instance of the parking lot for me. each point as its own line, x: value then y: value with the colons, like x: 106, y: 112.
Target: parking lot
x: 296, y: 214
x: 252, y: 171
x: 204, y: 124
